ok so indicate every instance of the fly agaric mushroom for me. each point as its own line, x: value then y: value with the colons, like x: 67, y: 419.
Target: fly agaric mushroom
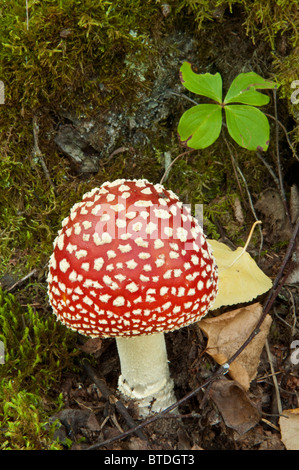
x: 130, y: 262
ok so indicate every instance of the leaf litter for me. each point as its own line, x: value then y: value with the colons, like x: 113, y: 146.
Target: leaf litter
x: 289, y: 428
x: 227, y: 332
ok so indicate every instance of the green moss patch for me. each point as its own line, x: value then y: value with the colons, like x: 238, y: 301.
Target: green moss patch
x: 36, y: 351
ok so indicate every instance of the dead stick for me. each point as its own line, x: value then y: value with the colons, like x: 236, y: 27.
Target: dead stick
x: 37, y: 153
x: 100, y: 383
x: 173, y: 161
x: 16, y: 284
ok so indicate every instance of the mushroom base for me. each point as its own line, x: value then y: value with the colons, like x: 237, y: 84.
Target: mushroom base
x: 145, y: 374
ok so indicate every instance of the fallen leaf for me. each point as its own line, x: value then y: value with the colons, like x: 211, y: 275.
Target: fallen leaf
x: 238, y: 211
x: 240, y: 278
x: 227, y: 332
x: 136, y: 443
x: 92, y: 346
x: 74, y: 420
x: 289, y: 428
x: 236, y: 408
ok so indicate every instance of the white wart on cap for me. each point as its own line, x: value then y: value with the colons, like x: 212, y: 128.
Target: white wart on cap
x: 130, y: 260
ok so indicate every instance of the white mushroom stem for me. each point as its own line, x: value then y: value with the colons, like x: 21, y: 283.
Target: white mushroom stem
x: 145, y: 373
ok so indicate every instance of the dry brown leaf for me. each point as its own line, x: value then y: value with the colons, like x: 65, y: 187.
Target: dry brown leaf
x: 227, y: 332
x: 92, y: 346
x: 238, y: 211
x: 236, y: 408
x: 289, y: 429
x: 240, y: 278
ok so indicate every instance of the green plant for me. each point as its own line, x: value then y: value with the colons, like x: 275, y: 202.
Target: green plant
x: 200, y: 125
x: 24, y: 423
x: 37, y: 350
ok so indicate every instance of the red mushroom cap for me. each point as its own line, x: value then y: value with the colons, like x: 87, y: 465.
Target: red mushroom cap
x: 130, y: 260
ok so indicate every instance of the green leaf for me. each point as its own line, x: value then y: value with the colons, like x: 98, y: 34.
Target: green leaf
x: 200, y: 125
x: 243, y: 89
x: 248, y: 126
x: 204, y: 84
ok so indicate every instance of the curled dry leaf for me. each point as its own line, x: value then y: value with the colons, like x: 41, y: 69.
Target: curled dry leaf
x: 289, y: 428
x: 236, y: 408
x: 227, y: 332
x: 240, y: 278
x: 238, y: 211
x: 92, y: 346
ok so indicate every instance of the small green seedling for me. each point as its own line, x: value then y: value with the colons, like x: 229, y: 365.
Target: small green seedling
x: 200, y: 125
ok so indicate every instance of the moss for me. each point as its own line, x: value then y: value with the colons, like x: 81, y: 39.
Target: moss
x: 66, y: 50
x: 267, y: 19
x: 24, y: 422
x: 37, y: 350
x: 82, y: 55
x: 286, y: 69
x: 64, y: 55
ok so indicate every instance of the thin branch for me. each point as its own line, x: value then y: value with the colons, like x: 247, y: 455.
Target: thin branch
x: 278, y: 163
x: 275, y: 179
x: 37, y: 153
x: 277, y: 147
x: 173, y: 161
x: 252, y: 208
x: 20, y: 281
x: 101, y: 385
x: 286, y: 135
x: 182, y: 95
x: 27, y: 15
x: 274, y: 378
x: 236, y: 167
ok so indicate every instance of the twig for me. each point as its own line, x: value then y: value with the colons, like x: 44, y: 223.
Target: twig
x: 100, y: 383
x: 270, y: 424
x: 16, y: 284
x: 278, y: 164
x: 274, y: 378
x: 293, y: 311
x: 252, y: 208
x: 173, y: 161
x: 247, y: 242
x: 27, y: 15
x: 182, y: 95
x: 277, y: 147
x: 37, y: 153
x: 286, y: 135
x: 276, y: 287
x: 276, y: 180
x: 157, y: 416
x: 234, y: 165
